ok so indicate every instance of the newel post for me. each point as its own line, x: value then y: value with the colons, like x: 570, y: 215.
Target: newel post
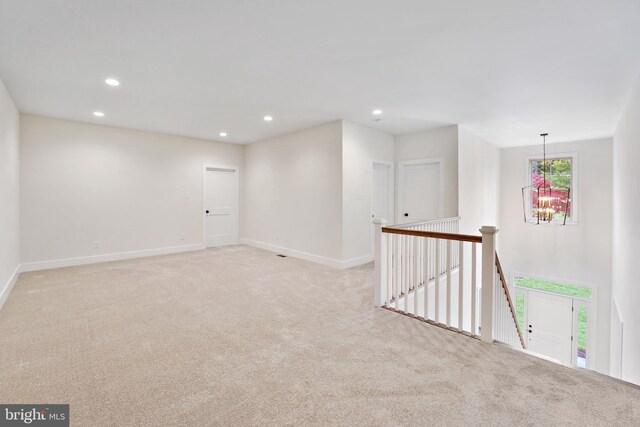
x: 488, y: 281
x: 380, y: 262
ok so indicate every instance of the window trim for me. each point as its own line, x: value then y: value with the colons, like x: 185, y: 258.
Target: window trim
x: 573, y: 220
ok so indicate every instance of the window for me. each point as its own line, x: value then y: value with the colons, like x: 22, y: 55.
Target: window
x: 566, y: 289
x: 581, y: 348
x: 559, y: 174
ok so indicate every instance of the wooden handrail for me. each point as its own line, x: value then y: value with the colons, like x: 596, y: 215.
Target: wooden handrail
x: 503, y: 282
x: 435, y: 235
x: 429, y: 222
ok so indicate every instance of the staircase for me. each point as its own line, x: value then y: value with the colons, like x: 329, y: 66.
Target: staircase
x: 431, y: 272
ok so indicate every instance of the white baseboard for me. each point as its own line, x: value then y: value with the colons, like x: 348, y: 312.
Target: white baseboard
x: 354, y: 262
x: 69, y: 262
x: 4, y: 293
x: 330, y: 262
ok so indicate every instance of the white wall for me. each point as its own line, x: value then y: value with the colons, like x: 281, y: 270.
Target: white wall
x: 478, y: 192
x: 9, y: 192
x: 129, y: 190
x: 479, y: 182
x: 579, y: 253
x: 361, y: 145
x: 435, y: 143
x: 292, y: 199
x: 626, y: 239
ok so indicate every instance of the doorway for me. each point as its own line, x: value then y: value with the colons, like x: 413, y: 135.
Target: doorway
x: 420, y: 190
x: 221, y: 196
x: 381, y: 197
x: 550, y: 325
x: 557, y: 319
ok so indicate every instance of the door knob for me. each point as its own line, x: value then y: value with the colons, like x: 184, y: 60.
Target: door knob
x: 207, y: 211
x: 530, y: 331
x: 406, y: 214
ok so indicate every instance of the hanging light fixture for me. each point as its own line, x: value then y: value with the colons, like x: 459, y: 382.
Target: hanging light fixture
x: 547, y: 204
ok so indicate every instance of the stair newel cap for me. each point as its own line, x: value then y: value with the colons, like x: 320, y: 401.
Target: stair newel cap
x: 486, y: 229
x: 380, y: 221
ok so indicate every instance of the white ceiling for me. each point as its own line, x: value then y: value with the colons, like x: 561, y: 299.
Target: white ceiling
x: 505, y: 69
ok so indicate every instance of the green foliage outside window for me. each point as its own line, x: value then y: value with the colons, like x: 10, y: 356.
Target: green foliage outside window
x: 556, y: 288
x: 558, y: 171
x: 582, y: 328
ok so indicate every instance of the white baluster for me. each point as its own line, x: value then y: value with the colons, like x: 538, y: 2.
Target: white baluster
x: 503, y: 306
x: 443, y: 261
x: 426, y: 278
x: 460, y: 284
x: 474, y: 290
x: 390, y: 248
x: 405, y: 272
x: 448, y: 269
x: 500, y: 307
x: 437, y: 282
x: 500, y: 310
x: 416, y: 277
x: 397, y: 270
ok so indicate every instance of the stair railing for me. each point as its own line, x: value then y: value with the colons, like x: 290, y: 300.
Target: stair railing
x: 444, y: 225
x: 507, y: 328
x: 433, y: 276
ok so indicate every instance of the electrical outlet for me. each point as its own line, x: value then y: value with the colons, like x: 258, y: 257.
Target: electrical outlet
x: 277, y: 237
x: 181, y: 236
x: 96, y: 244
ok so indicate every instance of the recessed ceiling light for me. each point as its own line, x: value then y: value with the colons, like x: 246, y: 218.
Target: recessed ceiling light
x: 98, y: 113
x: 112, y: 82
x: 376, y: 112
x: 268, y: 118
x: 223, y: 134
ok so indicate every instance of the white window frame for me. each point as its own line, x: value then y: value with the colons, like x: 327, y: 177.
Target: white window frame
x: 573, y: 220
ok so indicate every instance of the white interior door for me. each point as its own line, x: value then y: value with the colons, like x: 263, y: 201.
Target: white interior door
x: 550, y: 325
x: 221, y: 206
x: 381, y: 197
x: 420, y: 192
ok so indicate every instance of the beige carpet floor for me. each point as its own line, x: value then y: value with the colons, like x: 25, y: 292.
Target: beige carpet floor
x: 238, y: 336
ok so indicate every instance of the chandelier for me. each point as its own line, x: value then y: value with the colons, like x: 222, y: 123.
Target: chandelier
x: 542, y: 202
